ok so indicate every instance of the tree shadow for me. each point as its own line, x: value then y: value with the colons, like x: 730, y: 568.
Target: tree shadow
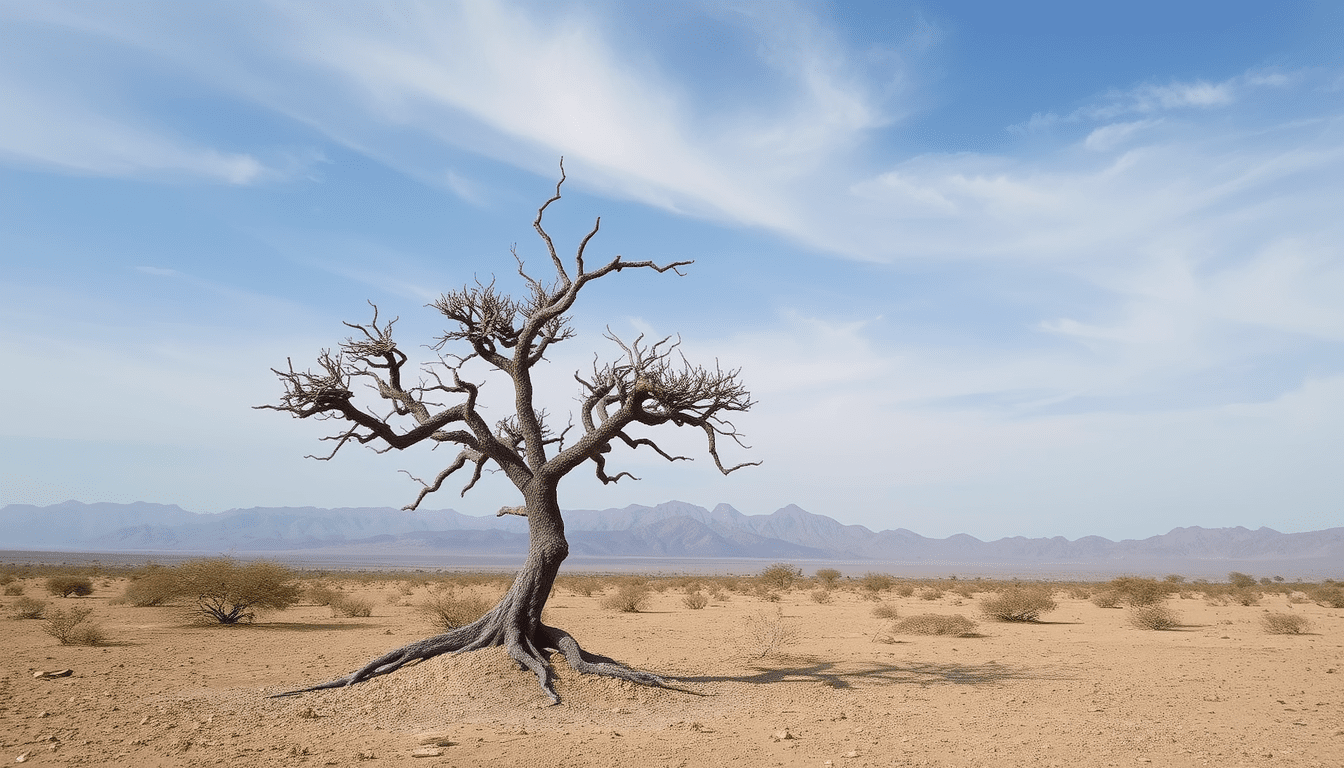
x: 837, y: 675
x: 277, y: 626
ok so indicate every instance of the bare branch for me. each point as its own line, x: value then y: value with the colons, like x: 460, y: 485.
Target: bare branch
x: 476, y: 457
x: 637, y: 442
x: 601, y: 471
x: 536, y: 224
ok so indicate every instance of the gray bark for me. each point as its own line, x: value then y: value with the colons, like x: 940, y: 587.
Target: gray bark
x: 642, y: 387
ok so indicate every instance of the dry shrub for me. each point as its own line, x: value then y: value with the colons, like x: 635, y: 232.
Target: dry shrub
x: 629, y: 598
x: 13, y: 590
x: 446, y: 610
x: 65, y: 586
x: 581, y: 585
x: 876, y: 582
x: 1157, y: 617
x: 931, y: 593
x: 695, y: 601
x: 780, y: 576
x: 1080, y: 593
x: 1017, y: 605
x: 321, y: 594
x: 1285, y: 624
x: 1137, y: 591
x: 718, y: 595
x: 1329, y: 595
x: 884, y: 611
x: 1106, y: 600
x: 769, y: 634
x: 219, y: 589
x: 935, y: 624
x: 72, y: 627
x: 351, y: 607
x: 821, y: 596
x: 150, y: 586
x: 1247, y: 597
x: 828, y: 576
x: 28, y: 608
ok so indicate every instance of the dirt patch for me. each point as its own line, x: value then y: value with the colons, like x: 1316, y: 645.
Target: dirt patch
x: 1086, y: 689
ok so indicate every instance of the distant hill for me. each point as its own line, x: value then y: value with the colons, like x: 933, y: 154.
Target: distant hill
x: 671, y: 530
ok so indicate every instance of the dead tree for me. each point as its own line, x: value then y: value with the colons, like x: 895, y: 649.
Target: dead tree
x: 644, y: 386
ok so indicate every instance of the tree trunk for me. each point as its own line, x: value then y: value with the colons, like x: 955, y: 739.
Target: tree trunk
x: 515, y: 621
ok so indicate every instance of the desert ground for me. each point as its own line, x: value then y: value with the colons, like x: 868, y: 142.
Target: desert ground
x: 1081, y: 687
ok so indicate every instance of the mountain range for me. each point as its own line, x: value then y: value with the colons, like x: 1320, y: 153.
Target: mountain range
x: 670, y: 530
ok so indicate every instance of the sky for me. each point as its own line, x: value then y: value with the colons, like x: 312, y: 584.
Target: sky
x: 1039, y: 269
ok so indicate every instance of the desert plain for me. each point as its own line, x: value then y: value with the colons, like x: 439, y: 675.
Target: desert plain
x: 762, y: 678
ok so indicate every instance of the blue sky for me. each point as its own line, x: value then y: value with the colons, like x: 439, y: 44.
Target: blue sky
x: 1002, y: 269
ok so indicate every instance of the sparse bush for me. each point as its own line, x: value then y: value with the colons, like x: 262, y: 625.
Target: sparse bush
x: 828, y: 576
x: 72, y: 627
x: 767, y: 594
x: 583, y: 585
x: 1080, y: 593
x: 935, y: 624
x: 28, y: 608
x: 321, y: 594
x: 7, y: 578
x: 351, y: 607
x: 873, y: 583
x: 904, y: 590
x: 1329, y: 595
x: 151, y: 586
x: 1017, y: 605
x: 629, y: 598
x: 219, y: 589
x: 780, y: 576
x: 821, y: 596
x: 1245, y: 597
x: 13, y: 590
x: 1285, y: 623
x: 448, y: 611
x: 1137, y: 591
x: 1157, y: 617
x: 718, y: 595
x: 884, y: 611
x: 931, y: 593
x: 1242, y: 580
x: 695, y: 601
x: 65, y: 586
x: 769, y: 634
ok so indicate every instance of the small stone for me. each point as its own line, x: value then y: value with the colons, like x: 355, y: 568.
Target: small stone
x: 852, y: 753
x: 39, y: 675
x: 23, y: 758
x: 426, y: 752
x: 783, y: 735
x: 44, y: 713
x: 436, y: 740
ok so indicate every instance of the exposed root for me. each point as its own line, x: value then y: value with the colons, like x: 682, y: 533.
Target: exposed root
x: 532, y: 652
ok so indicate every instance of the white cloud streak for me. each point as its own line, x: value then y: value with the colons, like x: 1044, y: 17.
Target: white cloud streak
x: 1208, y: 221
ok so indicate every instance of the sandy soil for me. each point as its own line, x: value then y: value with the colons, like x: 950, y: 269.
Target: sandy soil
x: 1084, y: 689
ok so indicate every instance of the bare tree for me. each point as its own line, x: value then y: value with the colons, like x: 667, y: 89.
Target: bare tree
x: 645, y: 386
